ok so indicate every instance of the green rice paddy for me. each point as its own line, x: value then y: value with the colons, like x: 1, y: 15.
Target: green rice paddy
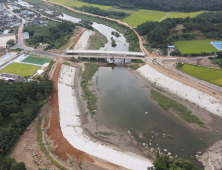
x: 20, y: 69
x: 79, y: 4
x: 142, y: 16
x: 35, y: 60
x: 195, y: 46
x: 183, y: 15
x: 208, y: 74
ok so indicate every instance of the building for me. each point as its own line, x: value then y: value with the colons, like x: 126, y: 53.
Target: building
x: 9, y: 77
x: 25, y: 35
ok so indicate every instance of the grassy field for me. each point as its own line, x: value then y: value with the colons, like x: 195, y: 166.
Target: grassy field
x: 96, y: 41
x: 182, y: 111
x: 144, y: 15
x: 79, y: 4
x: 35, y: 60
x: 122, y: 10
x: 195, y: 46
x: 208, y: 74
x: 20, y: 69
x: 183, y: 15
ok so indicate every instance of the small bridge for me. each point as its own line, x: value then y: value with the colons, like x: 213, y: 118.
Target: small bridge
x: 106, y: 53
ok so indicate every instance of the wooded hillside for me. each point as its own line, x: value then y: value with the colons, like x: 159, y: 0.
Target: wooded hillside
x: 163, y: 5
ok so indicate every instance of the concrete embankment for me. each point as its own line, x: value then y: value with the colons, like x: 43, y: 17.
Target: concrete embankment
x: 70, y: 123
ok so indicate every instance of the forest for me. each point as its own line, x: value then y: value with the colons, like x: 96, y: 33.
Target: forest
x: 20, y: 103
x: 163, y: 5
x: 56, y: 35
x: 98, y: 11
x: 158, y: 33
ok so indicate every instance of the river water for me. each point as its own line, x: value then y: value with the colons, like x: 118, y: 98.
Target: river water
x: 23, y: 3
x: 122, y: 104
x: 121, y: 43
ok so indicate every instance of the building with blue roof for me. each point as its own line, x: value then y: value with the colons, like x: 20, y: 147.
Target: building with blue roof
x: 15, y: 7
x: 5, y: 32
x: 25, y: 35
x: 217, y: 45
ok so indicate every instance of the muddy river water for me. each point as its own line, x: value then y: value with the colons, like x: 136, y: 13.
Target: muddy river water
x: 123, y: 101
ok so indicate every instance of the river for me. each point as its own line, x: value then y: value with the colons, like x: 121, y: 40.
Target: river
x: 122, y: 44
x: 123, y: 100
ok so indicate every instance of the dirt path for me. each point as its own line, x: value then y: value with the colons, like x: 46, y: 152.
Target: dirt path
x: 77, y: 37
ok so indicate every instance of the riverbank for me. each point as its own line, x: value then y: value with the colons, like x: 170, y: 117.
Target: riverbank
x: 201, y: 99
x: 83, y: 41
x: 72, y: 131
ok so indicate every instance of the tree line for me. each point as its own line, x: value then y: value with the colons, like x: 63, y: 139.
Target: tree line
x: 163, y: 5
x: 56, y: 35
x: 20, y: 103
x: 158, y: 33
x: 98, y: 11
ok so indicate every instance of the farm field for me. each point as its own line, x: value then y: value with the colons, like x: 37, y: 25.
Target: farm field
x: 122, y: 10
x: 20, y: 69
x: 208, y: 74
x: 35, y: 60
x: 141, y: 16
x: 195, y: 46
x: 183, y: 15
x: 79, y: 4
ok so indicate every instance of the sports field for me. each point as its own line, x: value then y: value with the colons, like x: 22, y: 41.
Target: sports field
x: 183, y: 15
x: 35, y: 60
x: 142, y: 16
x: 20, y: 69
x: 195, y: 46
x: 208, y: 74
x: 79, y: 4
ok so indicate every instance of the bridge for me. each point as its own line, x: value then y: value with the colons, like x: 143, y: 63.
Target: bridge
x: 106, y: 53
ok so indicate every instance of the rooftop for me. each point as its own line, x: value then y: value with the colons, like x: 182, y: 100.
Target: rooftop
x: 8, y: 77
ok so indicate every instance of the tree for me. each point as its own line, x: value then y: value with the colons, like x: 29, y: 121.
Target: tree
x: 10, y: 42
x: 18, y: 166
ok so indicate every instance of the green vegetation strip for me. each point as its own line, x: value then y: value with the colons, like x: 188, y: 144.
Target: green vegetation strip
x: 44, y: 150
x: 49, y: 67
x: 90, y: 70
x: 167, y: 103
x: 20, y: 69
x: 64, y: 47
x: 208, y: 74
x: 195, y: 46
x: 134, y: 66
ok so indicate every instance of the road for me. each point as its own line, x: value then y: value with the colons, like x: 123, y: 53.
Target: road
x: 160, y: 59
x: 171, y: 67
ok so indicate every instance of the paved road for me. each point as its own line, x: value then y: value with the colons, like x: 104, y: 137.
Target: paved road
x: 108, y: 56
x: 171, y: 67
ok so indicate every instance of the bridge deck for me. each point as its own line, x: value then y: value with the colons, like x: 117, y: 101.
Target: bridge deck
x: 125, y: 53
